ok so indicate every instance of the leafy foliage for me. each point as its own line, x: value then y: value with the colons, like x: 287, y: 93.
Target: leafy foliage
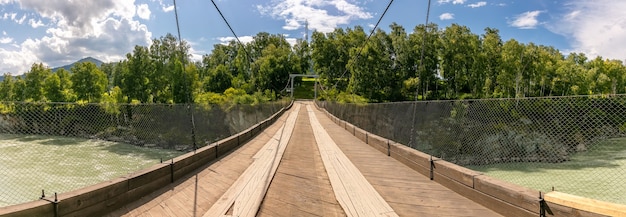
x: 428, y: 63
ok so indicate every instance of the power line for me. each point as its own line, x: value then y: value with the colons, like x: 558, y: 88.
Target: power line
x: 232, y: 31
x: 358, y: 55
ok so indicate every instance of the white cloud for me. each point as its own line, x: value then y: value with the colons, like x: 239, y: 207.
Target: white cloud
x: 143, y: 11
x: 247, y: 39
x: 8, y: 16
x: 477, y: 4
x: 526, y: 20
x: 168, y: 8
x: 244, y: 39
x: 456, y: 2
x: 13, y: 17
x: 296, y: 12
x: 291, y: 41
x: 104, y: 29
x: 165, y: 7
x: 35, y: 24
x: 21, y: 59
x: 4, y: 33
x: 6, y: 40
x: 597, y: 28
x: 446, y: 16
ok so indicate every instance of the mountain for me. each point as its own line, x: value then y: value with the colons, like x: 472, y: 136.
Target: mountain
x: 68, y: 67
x: 88, y: 59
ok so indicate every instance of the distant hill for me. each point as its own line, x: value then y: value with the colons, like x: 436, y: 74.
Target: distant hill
x: 68, y: 67
x: 88, y: 59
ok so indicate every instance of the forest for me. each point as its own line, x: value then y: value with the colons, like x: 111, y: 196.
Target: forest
x: 429, y: 63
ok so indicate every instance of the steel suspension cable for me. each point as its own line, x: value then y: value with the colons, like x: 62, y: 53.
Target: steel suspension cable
x: 186, y: 79
x: 358, y: 55
x: 421, y: 66
x: 232, y: 31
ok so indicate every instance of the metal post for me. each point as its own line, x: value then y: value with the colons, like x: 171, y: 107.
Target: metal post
x: 432, y: 168
x: 291, y: 78
x: 315, y: 89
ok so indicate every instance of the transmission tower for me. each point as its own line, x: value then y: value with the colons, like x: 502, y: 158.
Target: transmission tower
x: 306, y: 31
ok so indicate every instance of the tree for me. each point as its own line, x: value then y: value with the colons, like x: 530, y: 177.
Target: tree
x: 218, y: 80
x: 491, y: 50
x: 426, y: 40
x: 34, y: 89
x: 135, y: 75
x: 403, y: 57
x: 59, y: 87
x: 89, y: 82
x: 302, y: 57
x: 459, y: 47
x: 7, y: 88
x: 273, y: 69
x: 615, y: 70
x: 371, y: 74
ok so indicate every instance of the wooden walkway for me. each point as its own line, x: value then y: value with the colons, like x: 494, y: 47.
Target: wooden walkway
x: 305, y: 165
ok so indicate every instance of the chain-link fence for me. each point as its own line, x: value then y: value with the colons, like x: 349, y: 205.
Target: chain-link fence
x: 59, y: 147
x: 575, y: 145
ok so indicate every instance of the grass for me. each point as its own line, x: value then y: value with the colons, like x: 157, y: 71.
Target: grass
x: 305, y: 89
x: 59, y: 164
x: 597, y: 174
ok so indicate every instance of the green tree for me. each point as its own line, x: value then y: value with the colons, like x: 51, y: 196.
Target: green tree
x: 34, y: 89
x: 302, y: 57
x: 135, y: 75
x: 7, y: 88
x: 273, y: 68
x: 403, y: 57
x: 59, y: 87
x: 615, y: 70
x: 89, y: 83
x: 371, y: 74
x: 218, y: 80
x: 426, y: 40
x: 491, y: 51
x: 459, y: 48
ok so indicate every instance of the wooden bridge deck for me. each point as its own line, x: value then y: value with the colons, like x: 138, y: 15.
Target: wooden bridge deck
x: 322, y: 170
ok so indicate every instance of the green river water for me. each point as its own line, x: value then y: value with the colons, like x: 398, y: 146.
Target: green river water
x: 30, y: 163
x: 598, y: 174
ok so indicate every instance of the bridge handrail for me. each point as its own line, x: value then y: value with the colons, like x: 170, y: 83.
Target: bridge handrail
x: 102, y: 198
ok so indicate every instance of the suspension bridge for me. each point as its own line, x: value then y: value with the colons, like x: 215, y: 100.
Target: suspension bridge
x: 303, y: 161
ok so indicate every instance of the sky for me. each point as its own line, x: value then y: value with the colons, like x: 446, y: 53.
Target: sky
x: 59, y: 32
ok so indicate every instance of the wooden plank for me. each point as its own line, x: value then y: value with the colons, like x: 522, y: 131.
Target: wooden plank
x: 511, y: 193
x: 245, y: 195
x: 354, y: 193
x: 407, y: 191
x: 208, y: 182
x: 301, y: 186
x: 586, y: 204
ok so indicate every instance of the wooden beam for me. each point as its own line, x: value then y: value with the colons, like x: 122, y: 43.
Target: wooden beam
x: 246, y: 194
x: 586, y: 204
x: 354, y: 193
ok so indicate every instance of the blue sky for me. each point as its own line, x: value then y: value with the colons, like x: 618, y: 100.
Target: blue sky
x: 58, y: 32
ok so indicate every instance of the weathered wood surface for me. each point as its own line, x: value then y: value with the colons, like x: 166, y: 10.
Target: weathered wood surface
x: 194, y: 195
x: 355, y: 194
x: 301, y: 186
x: 244, y: 197
x: 408, y: 192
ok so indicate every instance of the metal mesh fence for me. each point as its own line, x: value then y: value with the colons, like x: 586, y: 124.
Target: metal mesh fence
x: 59, y: 147
x: 575, y: 145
